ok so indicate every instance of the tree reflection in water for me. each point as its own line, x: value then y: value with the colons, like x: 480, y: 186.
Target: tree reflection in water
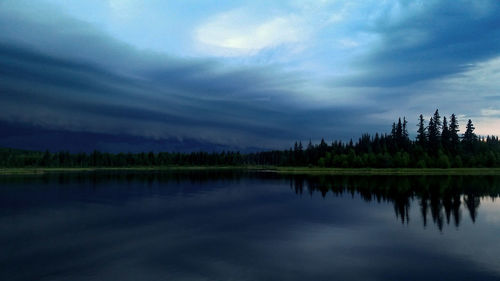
x: 440, y: 196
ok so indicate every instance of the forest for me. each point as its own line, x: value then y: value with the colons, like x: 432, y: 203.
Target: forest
x: 437, y: 145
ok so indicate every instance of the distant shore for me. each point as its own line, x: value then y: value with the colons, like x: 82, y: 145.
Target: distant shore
x: 42, y: 170
x: 388, y: 171
x: 270, y: 169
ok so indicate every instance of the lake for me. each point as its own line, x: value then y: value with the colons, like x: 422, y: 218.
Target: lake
x: 248, y: 226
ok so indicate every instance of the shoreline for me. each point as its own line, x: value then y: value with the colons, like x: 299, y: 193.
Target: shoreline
x: 269, y: 169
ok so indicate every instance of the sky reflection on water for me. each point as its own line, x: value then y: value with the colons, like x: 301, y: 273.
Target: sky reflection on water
x: 237, y: 226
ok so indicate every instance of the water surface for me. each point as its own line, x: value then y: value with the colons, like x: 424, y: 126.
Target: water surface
x: 248, y: 226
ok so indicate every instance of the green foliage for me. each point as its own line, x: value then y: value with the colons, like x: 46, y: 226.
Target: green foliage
x: 443, y: 161
x: 421, y: 164
x: 457, y: 163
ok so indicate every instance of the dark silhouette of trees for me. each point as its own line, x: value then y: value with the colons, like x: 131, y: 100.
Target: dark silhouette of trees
x: 439, y: 198
x: 469, y: 137
x: 434, y: 131
x: 453, y: 135
x: 421, y: 132
x: 472, y: 204
x: 445, y: 134
x: 437, y: 145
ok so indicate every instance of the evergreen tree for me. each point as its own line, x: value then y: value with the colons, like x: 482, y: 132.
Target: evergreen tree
x: 422, y: 132
x: 295, y: 153
x: 469, y: 137
x: 432, y: 135
x: 323, y: 147
x: 435, y: 132
x: 46, y: 159
x: 453, y: 132
x: 437, y: 122
x: 405, y: 130
x: 300, y: 158
x: 445, y: 134
x: 376, y: 144
x: 399, y: 130
x: 310, y: 152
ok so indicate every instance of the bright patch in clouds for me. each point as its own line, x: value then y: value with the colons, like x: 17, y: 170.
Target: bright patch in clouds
x: 490, y: 112
x: 124, y: 9
x: 348, y: 43
x: 236, y: 34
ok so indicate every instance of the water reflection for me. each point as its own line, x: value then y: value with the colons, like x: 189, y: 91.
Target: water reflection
x: 441, y: 197
x: 235, y: 225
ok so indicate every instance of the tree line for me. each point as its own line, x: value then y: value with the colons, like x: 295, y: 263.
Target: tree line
x: 437, y: 144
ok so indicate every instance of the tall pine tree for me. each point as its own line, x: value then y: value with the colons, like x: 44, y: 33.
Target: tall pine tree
x: 469, y: 137
x: 421, y: 132
x: 437, y: 121
x: 453, y: 131
x: 405, y: 130
x: 445, y: 134
x: 435, y: 132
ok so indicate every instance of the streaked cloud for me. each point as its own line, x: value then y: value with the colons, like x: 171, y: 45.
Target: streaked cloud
x: 421, y: 41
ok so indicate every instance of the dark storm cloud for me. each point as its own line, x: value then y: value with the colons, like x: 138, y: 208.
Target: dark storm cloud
x: 425, y: 40
x: 84, y: 81
x: 95, y: 92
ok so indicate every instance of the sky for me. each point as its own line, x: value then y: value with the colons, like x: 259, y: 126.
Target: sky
x: 241, y: 74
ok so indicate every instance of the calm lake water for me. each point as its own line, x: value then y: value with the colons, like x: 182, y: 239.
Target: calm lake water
x: 248, y: 226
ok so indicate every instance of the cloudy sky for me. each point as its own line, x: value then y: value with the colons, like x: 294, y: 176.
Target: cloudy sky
x: 242, y: 73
